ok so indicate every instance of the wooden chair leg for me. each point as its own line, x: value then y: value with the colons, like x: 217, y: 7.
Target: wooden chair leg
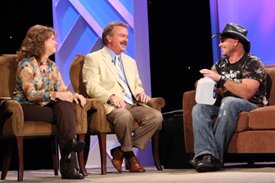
x: 81, y: 158
x: 55, y: 156
x: 20, y: 150
x: 103, y: 156
x: 6, y: 158
x: 87, y: 148
x: 155, y: 149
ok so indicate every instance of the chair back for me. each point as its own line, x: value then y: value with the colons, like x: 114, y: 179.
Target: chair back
x: 8, y: 67
x: 76, y: 75
x: 271, y: 84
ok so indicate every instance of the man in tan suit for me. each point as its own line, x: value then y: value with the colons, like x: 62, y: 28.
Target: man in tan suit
x: 112, y: 77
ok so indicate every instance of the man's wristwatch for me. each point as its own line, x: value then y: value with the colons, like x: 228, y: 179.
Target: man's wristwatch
x: 222, y: 80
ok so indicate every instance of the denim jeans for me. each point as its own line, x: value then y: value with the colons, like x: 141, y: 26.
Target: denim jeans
x: 209, y: 139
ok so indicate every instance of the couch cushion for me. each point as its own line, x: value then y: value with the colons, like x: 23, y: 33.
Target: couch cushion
x: 253, y: 141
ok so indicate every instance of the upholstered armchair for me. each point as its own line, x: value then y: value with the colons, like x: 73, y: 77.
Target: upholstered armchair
x: 255, y: 131
x: 13, y: 126
x: 97, y: 122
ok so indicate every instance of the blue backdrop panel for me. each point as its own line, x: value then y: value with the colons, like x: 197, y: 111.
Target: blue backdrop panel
x: 258, y: 16
x: 79, y: 24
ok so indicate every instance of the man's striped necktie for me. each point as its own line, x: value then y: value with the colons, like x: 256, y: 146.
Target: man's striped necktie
x: 128, y: 95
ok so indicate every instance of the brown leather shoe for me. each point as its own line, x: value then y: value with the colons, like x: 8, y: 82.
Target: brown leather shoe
x: 133, y: 165
x: 117, y: 160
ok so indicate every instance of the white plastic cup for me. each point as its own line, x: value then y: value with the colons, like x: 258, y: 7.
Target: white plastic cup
x: 206, y: 91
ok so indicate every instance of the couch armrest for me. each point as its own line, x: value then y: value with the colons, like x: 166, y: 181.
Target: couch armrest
x: 13, y: 124
x: 156, y: 103
x: 262, y: 118
x: 188, y: 101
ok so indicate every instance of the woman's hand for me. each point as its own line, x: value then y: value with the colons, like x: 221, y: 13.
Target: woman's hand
x: 77, y: 98
x: 64, y: 96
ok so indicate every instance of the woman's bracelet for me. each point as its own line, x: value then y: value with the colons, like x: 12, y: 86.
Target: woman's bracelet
x: 52, y: 96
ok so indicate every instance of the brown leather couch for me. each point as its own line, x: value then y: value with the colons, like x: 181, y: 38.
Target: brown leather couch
x: 13, y: 126
x: 255, y: 132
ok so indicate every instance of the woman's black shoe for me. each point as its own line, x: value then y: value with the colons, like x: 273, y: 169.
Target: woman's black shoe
x: 68, y: 170
x: 72, y: 175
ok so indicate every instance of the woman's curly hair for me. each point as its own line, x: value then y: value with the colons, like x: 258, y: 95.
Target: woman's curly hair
x: 34, y: 43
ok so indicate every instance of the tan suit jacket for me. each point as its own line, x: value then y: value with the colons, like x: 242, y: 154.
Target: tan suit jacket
x: 101, y: 78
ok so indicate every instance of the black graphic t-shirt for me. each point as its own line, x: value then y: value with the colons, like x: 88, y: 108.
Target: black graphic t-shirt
x: 250, y: 67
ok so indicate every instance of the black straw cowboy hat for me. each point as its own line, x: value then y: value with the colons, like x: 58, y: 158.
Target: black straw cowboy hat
x: 236, y: 31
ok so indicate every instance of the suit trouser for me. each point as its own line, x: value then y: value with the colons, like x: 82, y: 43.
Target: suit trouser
x: 149, y: 121
x: 60, y: 113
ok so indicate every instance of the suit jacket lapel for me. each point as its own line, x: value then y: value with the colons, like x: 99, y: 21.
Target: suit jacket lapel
x: 127, y: 72
x: 109, y: 63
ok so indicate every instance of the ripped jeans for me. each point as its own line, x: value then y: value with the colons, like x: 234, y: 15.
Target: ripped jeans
x: 209, y: 139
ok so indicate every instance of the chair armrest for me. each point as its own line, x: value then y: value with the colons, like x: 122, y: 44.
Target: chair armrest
x: 81, y: 117
x: 97, y: 121
x: 188, y: 101
x: 97, y: 116
x: 13, y: 125
x: 157, y: 103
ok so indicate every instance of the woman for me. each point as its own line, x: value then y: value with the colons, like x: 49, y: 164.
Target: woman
x: 44, y: 96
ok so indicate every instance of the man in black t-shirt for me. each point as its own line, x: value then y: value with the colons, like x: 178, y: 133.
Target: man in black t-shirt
x: 241, y: 79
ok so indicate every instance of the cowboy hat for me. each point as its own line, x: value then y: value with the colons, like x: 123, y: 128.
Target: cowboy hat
x: 235, y: 31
